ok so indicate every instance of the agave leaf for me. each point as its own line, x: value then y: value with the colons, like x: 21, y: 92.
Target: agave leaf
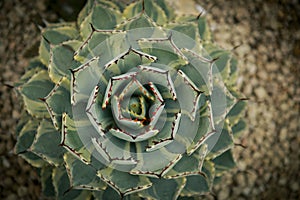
x: 205, y: 131
x: 137, y: 22
x: 108, y: 193
x: 33, y: 90
x: 25, y: 117
x: 26, y: 136
x: 151, y: 9
x: 82, y: 176
x: 223, y: 162
x: 99, y: 43
x: 188, y: 30
x: 203, y: 30
x: 72, y: 141
x: 47, y: 183
x: 167, y: 9
x: 188, y: 164
x: 114, y: 152
x: 62, y: 186
x: 123, y: 182
x: 33, y: 159
x: 222, y: 101
x: 165, y: 50
x: 164, y: 188
x: 188, y: 95
x: 60, y: 93
x: 166, y: 134
x: 198, y: 70
x: 62, y: 61
x: 232, y: 79
x: 81, y: 89
x: 197, y: 185
x: 146, y: 166
x: 111, y: 194
x: 238, y: 128
x: 35, y: 65
x: 224, y: 139
x: 109, y: 19
x: 99, y: 118
x: 235, y: 112
x: 55, y: 34
x: 46, y: 143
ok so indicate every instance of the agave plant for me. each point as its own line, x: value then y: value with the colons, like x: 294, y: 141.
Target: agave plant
x: 131, y: 101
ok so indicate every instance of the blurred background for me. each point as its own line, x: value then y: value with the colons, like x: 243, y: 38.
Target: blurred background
x: 265, y: 37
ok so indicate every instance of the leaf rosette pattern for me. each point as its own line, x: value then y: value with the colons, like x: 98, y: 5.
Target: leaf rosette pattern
x: 141, y: 103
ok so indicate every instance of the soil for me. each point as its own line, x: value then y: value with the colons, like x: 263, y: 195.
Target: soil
x: 265, y: 37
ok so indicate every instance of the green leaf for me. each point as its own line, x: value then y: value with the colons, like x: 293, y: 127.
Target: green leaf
x: 123, y: 182
x: 164, y: 188
x: 33, y: 159
x: 167, y: 9
x: 224, y: 141
x: 188, y: 165
x: 152, y: 10
x: 82, y: 176
x: 58, y: 101
x: 62, y: 60
x: 223, y: 162
x: 197, y: 185
x: 55, y: 34
x: 183, y: 35
x: 46, y: 179
x: 136, y: 23
x: 46, y: 143
x: 109, y: 19
x: 37, y: 87
x: 203, y: 30
x: 72, y: 141
x: 26, y: 136
x: 238, y: 128
x: 62, y: 186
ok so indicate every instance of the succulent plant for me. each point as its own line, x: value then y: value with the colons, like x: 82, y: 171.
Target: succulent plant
x: 131, y: 101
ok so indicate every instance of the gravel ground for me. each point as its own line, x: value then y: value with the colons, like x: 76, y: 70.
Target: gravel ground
x: 265, y: 37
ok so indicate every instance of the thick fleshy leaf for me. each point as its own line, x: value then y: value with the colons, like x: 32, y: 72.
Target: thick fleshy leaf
x: 151, y: 9
x: 63, y: 188
x: 33, y: 159
x: 37, y: 87
x: 62, y: 61
x: 178, y: 31
x: 223, y: 162
x: 188, y: 164
x: 203, y: 29
x: 164, y: 188
x: 188, y: 95
x: 72, y: 141
x: 26, y: 136
x: 198, y: 70
x: 55, y: 34
x: 82, y: 176
x: 238, y: 128
x: 236, y: 111
x: 220, y: 142
x: 167, y: 9
x: 60, y: 93
x: 145, y: 166
x: 109, y: 19
x: 200, y: 184
x: 47, y: 183
x: 123, y: 182
x: 35, y: 65
x: 46, y: 143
